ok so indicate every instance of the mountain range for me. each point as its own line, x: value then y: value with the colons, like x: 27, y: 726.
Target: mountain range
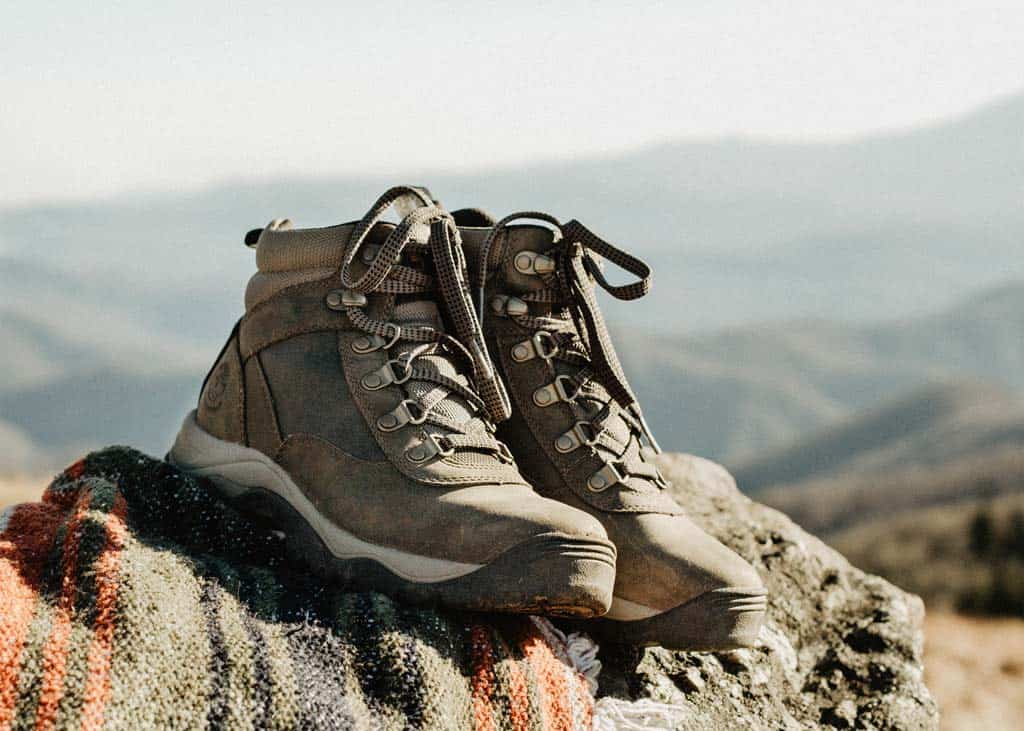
x: 729, y: 396
x: 795, y: 284
x: 739, y: 393
x: 738, y: 230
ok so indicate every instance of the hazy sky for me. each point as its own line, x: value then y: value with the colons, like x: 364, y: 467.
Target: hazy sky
x: 104, y: 97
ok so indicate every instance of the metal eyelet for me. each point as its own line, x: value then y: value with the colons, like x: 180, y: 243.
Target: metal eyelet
x: 342, y: 299
x: 498, y: 302
x: 429, y: 448
x: 506, y: 306
x: 369, y: 253
x: 554, y: 392
x: 530, y: 262
x: 385, y: 376
x: 541, y: 345
x: 370, y: 343
x: 604, y: 478
x: 576, y: 437
x: 367, y: 344
x: 402, y: 415
x: 522, y: 352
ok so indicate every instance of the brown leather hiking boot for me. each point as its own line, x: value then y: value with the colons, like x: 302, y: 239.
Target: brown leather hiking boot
x: 579, y: 436
x: 353, y: 406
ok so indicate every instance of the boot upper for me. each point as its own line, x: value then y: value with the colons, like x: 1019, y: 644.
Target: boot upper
x: 579, y: 436
x: 577, y: 429
x: 359, y: 366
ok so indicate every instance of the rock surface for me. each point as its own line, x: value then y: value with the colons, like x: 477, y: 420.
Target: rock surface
x: 840, y: 649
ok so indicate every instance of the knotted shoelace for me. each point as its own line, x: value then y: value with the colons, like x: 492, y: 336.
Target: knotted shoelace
x: 575, y: 330
x: 428, y: 231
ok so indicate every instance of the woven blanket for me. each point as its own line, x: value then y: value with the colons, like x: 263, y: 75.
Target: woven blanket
x: 131, y: 597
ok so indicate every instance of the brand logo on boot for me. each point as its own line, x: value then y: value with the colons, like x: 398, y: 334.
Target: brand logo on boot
x: 217, y: 387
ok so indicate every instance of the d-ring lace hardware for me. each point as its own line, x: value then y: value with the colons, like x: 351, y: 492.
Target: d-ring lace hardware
x: 541, y: 345
x: 605, y: 477
x: 402, y: 415
x: 504, y: 453
x: 432, y: 446
x: 556, y: 391
x: 582, y: 433
x: 370, y: 343
x: 386, y: 376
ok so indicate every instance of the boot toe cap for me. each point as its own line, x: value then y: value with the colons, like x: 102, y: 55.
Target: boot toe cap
x: 681, y: 588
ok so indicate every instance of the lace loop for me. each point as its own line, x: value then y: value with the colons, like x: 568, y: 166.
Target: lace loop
x: 573, y: 281
x: 427, y: 227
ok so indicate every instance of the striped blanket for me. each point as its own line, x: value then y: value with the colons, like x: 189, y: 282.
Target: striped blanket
x: 130, y: 597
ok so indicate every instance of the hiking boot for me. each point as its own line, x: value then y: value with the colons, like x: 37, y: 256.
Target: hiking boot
x: 580, y: 437
x: 354, y: 407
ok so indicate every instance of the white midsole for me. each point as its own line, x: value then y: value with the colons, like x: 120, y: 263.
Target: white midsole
x: 235, y: 469
x: 624, y: 610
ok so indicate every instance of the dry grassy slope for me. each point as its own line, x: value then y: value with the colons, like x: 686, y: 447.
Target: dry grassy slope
x: 912, y: 526
x: 735, y: 394
x: 932, y: 426
x: 833, y: 504
x: 896, y: 489
x: 975, y: 669
x: 927, y: 550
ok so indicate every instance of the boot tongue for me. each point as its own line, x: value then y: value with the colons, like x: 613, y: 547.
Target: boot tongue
x: 426, y: 313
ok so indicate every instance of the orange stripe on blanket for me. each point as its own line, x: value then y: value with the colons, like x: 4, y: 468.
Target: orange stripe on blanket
x: 76, y: 470
x: 551, y: 683
x: 24, y: 546
x: 97, y: 688
x: 518, y: 695
x: 64, y: 490
x: 483, y: 678
x: 56, y: 649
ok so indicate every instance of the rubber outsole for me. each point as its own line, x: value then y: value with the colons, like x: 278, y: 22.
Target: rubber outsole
x: 551, y: 573
x: 728, y: 618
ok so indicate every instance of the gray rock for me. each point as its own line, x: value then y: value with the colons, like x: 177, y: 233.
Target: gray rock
x: 840, y: 649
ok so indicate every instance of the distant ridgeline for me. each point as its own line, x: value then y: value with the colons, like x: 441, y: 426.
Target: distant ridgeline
x: 735, y: 396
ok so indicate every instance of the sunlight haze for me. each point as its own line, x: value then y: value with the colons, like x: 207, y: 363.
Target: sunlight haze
x: 151, y: 96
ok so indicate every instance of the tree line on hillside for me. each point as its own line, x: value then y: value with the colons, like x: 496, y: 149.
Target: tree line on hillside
x: 999, y: 544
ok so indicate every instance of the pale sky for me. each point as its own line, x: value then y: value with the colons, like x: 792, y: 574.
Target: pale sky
x: 105, y: 97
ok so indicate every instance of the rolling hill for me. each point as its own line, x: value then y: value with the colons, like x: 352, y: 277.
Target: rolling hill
x: 739, y: 231
x: 795, y: 284
x: 936, y: 425
x: 741, y: 393
x: 900, y: 491
x: 65, y: 394
x: 744, y: 392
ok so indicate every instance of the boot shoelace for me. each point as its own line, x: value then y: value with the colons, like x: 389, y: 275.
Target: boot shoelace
x: 575, y: 333
x: 425, y: 229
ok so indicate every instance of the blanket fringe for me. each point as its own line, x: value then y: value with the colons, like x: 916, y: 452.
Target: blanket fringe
x: 614, y: 714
